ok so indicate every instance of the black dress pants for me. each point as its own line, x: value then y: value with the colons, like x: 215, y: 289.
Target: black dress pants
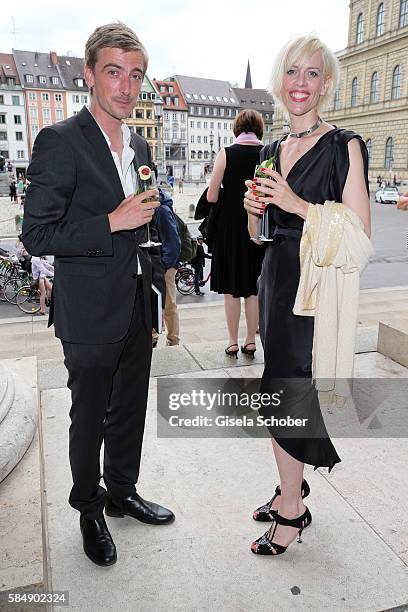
x: 109, y: 388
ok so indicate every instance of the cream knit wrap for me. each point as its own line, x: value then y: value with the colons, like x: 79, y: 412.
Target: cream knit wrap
x: 334, y: 250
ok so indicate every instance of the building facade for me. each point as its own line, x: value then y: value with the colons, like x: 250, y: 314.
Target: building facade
x: 372, y: 98
x: 212, y: 108
x: 143, y: 120
x: 261, y: 101
x: 45, y: 94
x: 175, y: 118
x: 71, y: 71
x: 13, y: 119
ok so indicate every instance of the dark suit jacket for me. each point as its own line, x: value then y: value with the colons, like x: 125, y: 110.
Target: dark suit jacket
x: 74, y: 185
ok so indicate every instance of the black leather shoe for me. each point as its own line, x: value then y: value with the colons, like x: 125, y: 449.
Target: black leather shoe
x: 138, y: 508
x: 98, y: 543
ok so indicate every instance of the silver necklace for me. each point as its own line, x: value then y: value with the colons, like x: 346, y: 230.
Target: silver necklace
x: 308, y: 131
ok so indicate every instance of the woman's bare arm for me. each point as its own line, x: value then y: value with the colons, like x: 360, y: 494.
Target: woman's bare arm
x: 355, y: 191
x: 216, y: 177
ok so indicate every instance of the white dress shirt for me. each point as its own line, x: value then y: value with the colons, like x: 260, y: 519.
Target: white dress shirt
x: 125, y: 169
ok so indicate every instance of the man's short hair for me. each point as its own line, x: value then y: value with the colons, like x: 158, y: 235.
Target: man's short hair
x: 116, y: 35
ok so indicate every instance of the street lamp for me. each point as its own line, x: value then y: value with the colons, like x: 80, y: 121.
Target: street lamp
x: 211, y: 149
x: 158, y: 111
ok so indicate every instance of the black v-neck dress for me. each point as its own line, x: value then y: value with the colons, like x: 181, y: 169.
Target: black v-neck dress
x: 319, y: 175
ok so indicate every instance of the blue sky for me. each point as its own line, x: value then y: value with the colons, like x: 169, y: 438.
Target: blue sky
x: 181, y: 36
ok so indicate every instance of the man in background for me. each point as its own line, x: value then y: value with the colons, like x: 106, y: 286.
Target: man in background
x: 170, y: 256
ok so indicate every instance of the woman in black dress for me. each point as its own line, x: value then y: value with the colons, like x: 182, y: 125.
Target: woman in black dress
x: 315, y: 162
x: 236, y: 260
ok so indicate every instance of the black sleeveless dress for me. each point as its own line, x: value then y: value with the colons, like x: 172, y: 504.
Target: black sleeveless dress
x: 319, y: 175
x: 236, y: 260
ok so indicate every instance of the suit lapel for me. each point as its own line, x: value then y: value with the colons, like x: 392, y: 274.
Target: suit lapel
x: 101, y: 150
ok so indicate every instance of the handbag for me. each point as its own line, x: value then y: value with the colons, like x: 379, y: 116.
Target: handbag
x: 209, y: 213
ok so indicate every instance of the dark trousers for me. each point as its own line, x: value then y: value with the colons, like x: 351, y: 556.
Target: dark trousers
x: 109, y: 388
x: 198, y: 277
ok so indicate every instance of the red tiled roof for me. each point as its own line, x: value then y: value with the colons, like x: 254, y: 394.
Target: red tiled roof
x: 166, y: 94
x: 8, y: 67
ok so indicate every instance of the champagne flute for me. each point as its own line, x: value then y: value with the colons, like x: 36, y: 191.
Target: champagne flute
x: 263, y: 231
x: 146, y: 180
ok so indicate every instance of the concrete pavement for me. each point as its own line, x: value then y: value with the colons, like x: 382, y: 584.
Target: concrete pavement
x: 354, y: 556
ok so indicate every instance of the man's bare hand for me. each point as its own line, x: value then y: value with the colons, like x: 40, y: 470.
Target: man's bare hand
x: 133, y: 211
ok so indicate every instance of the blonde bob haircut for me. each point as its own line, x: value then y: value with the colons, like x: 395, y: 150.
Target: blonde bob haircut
x: 304, y: 46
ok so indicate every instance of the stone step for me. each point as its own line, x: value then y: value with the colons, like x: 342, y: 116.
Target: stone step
x: 6, y: 392
x: 21, y: 533
x: 393, y: 340
x: 19, y: 424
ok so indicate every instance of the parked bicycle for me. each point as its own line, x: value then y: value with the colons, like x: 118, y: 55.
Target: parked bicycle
x: 185, y: 280
x: 28, y: 298
x: 10, y: 269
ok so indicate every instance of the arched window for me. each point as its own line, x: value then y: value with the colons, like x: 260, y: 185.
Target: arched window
x: 389, y: 149
x: 206, y: 154
x: 374, y: 88
x: 360, y: 29
x: 403, y: 17
x: 354, y: 86
x: 369, y: 146
x: 193, y: 154
x: 396, y: 83
x: 337, y: 102
x: 200, y: 155
x: 379, y: 28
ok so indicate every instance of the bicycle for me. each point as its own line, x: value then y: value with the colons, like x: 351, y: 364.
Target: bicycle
x: 9, y: 269
x: 185, y: 280
x: 28, y: 297
x: 11, y: 287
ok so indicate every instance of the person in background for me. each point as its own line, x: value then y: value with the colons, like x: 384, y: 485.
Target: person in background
x: 13, y: 191
x: 170, y: 252
x: 18, y: 220
x: 237, y: 261
x: 180, y: 185
x: 198, y: 263
x: 23, y: 257
x: 42, y: 270
x: 170, y: 180
x: 403, y: 201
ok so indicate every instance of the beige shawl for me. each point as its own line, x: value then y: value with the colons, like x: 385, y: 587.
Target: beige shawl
x: 334, y: 250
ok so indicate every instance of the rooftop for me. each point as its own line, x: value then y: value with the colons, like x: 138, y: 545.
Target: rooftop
x: 8, y: 68
x: 258, y: 99
x: 209, y: 92
x: 71, y: 70
x: 40, y: 68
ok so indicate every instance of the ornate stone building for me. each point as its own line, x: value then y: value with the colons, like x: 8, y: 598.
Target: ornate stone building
x: 372, y: 98
x: 143, y: 119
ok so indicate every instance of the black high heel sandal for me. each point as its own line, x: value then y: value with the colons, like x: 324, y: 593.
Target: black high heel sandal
x: 265, y: 513
x: 247, y: 351
x: 264, y: 544
x: 232, y: 353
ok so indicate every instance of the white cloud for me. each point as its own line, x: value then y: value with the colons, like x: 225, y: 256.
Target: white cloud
x: 212, y: 39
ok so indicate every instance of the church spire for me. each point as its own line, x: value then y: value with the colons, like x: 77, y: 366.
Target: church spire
x: 248, y: 80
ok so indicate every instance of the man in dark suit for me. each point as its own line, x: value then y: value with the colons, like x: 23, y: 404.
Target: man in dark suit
x: 81, y: 208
